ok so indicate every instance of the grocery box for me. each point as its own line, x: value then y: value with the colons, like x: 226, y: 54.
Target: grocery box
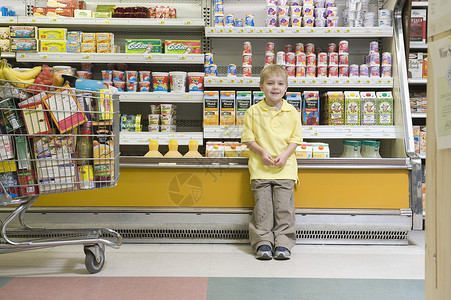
x: 28, y: 32
x: 54, y: 150
x: 6, y: 148
x: 88, y: 47
x: 5, y: 45
x: 243, y: 102
x: 62, y: 3
x: 418, y: 25
x: 232, y: 149
x: 9, y: 116
x: 425, y: 65
x: 60, y: 12
x: 257, y: 96
x: 4, y: 33
x: 73, y: 47
x: 104, y: 37
x: 310, y: 108
x: 105, y: 105
x: 182, y: 46
x: 294, y: 98
x: 88, y: 37
x: 52, y: 33
x: 334, y: 108
x: 52, y: 45
x: 416, y: 138
x: 74, y: 36
x: 20, y: 44
x: 304, y: 151
x: 422, y: 140
x: 320, y: 150
x: 104, y: 48
x: 36, y: 120
x: 352, y: 108
x: 211, y: 108
x: 23, y: 155
x: 143, y: 46
x: 415, y: 68
x: 39, y: 11
x: 385, y: 108
x: 368, y: 108
x: 101, y: 14
x: 214, y: 149
x: 103, y: 144
x: 227, y: 108
x: 82, y: 13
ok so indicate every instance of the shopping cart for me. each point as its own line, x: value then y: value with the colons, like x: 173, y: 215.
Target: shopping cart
x: 56, y: 140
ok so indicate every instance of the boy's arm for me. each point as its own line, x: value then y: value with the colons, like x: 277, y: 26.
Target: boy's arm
x: 266, y: 157
x: 281, y: 160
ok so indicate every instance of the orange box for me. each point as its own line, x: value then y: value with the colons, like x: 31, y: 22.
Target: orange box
x: 39, y: 11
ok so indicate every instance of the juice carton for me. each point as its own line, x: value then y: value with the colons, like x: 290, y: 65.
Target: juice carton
x: 385, y: 108
x: 257, y: 97
x: 352, y: 106
x: 227, y: 108
x: 243, y: 102
x: 320, y: 150
x: 214, y: 149
x: 211, y: 108
x: 335, y: 113
x: 368, y: 108
x: 232, y: 149
x: 304, y: 150
x: 294, y: 98
x: 310, y: 108
x: 245, y: 152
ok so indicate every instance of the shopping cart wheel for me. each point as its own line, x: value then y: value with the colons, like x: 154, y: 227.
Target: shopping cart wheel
x: 95, y: 257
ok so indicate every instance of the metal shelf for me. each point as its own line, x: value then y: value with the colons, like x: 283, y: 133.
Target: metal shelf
x: 420, y: 3
x: 419, y: 81
x: 8, y: 55
x: 418, y: 45
x: 422, y: 156
x: 163, y: 138
x: 304, y: 82
x: 312, y: 132
x: 193, y: 97
x: 150, y: 58
x: 419, y: 115
x: 116, y: 24
x: 8, y: 20
x: 287, y: 32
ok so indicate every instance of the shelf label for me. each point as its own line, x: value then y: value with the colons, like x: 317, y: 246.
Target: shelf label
x: 232, y: 80
x: 149, y: 57
x: 33, y: 20
x: 162, y: 22
x: 188, y: 96
x: 182, y: 57
x: 209, y: 80
x: 11, y: 20
x: 338, y: 30
x: 314, y: 81
x: 359, y: 81
x: 295, y: 81
x: 337, y: 81
x: 379, y: 81
x: 270, y: 30
x: 241, y: 80
x: 188, y: 22
x: 212, y: 30
x: 282, y: 30
x: 348, y: 30
x: 303, y: 81
x: 230, y: 30
x: 297, y: 31
x: 221, y: 30
x: 328, y: 31
x: 23, y: 55
x: 86, y: 56
x: 311, y: 30
x: 324, y: 80
x: 53, y: 20
x: 107, y: 21
x: 242, y: 30
x: 251, y: 81
x: 43, y: 56
x: 221, y: 80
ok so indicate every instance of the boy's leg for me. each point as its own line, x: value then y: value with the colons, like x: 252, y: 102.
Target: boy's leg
x: 284, y: 213
x: 262, y: 218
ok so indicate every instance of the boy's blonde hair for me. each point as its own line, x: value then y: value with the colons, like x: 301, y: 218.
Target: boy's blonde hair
x: 273, y: 70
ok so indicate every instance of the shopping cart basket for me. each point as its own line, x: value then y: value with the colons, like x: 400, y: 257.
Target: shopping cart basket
x: 56, y: 140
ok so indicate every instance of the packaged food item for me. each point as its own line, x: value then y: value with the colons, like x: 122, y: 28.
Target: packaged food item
x: 60, y: 12
x: 243, y: 102
x: 8, y: 178
x: 368, y: 108
x: 335, y: 112
x: 88, y: 47
x: 28, y: 182
x: 52, y: 46
x: 177, y: 81
x: 257, y: 96
x: 105, y: 105
x: 143, y: 46
x: 195, y: 81
x: 104, y: 37
x: 36, y: 120
x: 9, y: 115
x: 103, y: 147
x: 294, y: 98
x: 144, y: 76
x: 54, y: 150
x: 227, y: 108
x: 182, y: 46
x: 73, y: 47
x: 39, y: 11
x: 352, y: 105
x: 304, y: 151
x: 211, y: 108
x: 82, y: 13
x: 52, y: 33
x: 20, y: 44
x: 370, y: 149
x: 74, y: 37
x: 5, y: 45
x: 28, y: 32
x: 232, y: 149
x: 320, y: 150
x: 385, y: 108
x: 160, y: 81
x: 310, y: 108
x: 351, y: 149
x: 214, y: 149
x: 6, y: 148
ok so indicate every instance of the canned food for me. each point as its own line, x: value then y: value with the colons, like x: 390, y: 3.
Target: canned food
x: 322, y: 71
x: 219, y: 20
x: 310, y: 71
x: 343, y: 47
x: 288, y: 48
x: 280, y: 59
x: 374, y: 47
x: 247, y: 47
x: 309, y: 48
x: 299, y: 47
x: 343, y: 59
x: 270, y: 47
x: 247, y: 71
x: 331, y: 47
x: 375, y: 71
x: 311, y: 59
x: 386, y: 59
x: 239, y: 23
x: 231, y: 70
x: 247, y: 59
x: 301, y: 59
x: 364, y: 70
x: 343, y: 71
x: 269, y: 58
x: 213, y: 70
x: 322, y: 59
x: 290, y: 58
x: 333, y: 71
x: 291, y: 70
x: 229, y: 20
x: 249, y: 21
x: 208, y: 58
x: 386, y: 71
x: 354, y: 70
x: 300, y: 71
x: 333, y: 59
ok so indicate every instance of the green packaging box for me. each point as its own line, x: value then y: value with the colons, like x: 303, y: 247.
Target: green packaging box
x: 385, y: 108
x: 143, y: 46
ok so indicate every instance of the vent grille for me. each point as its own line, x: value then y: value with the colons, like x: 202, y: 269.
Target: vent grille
x: 351, y: 235
x: 214, y: 234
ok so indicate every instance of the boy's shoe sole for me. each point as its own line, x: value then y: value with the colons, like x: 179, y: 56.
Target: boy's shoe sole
x: 282, y: 255
x: 263, y: 255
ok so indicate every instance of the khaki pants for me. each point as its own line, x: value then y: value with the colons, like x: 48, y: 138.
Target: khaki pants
x: 273, y: 220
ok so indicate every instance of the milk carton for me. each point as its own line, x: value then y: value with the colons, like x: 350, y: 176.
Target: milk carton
x: 243, y: 102
x: 368, y: 108
x: 335, y: 112
x: 211, y: 108
x: 294, y: 98
x: 385, y: 108
x: 352, y: 108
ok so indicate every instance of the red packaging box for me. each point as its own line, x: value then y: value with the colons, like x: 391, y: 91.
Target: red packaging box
x: 418, y: 25
x: 62, y: 3
x: 39, y: 11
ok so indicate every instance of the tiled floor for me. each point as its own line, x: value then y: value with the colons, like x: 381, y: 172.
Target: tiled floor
x: 212, y: 271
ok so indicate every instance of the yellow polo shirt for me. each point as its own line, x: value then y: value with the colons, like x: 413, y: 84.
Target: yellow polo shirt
x: 273, y: 131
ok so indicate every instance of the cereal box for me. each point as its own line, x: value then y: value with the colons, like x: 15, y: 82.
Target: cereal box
x: 19, y: 44
x: 52, y: 46
x: 385, y: 108
x: 368, y: 108
x: 182, y: 46
x: 28, y: 32
x: 310, y: 108
x: 352, y: 108
x: 227, y: 108
x: 52, y: 33
x: 211, y: 108
x: 334, y: 106
x: 143, y: 46
x: 243, y: 102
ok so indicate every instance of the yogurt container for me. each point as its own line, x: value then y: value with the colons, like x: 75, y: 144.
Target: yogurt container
x: 160, y: 81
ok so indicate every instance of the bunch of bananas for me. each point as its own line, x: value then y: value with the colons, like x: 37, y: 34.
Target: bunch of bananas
x: 20, y: 79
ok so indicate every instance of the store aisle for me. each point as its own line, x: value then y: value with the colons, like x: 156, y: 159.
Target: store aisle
x: 196, y: 271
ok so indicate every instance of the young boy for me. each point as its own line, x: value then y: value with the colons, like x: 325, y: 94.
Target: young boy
x: 272, y: 131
